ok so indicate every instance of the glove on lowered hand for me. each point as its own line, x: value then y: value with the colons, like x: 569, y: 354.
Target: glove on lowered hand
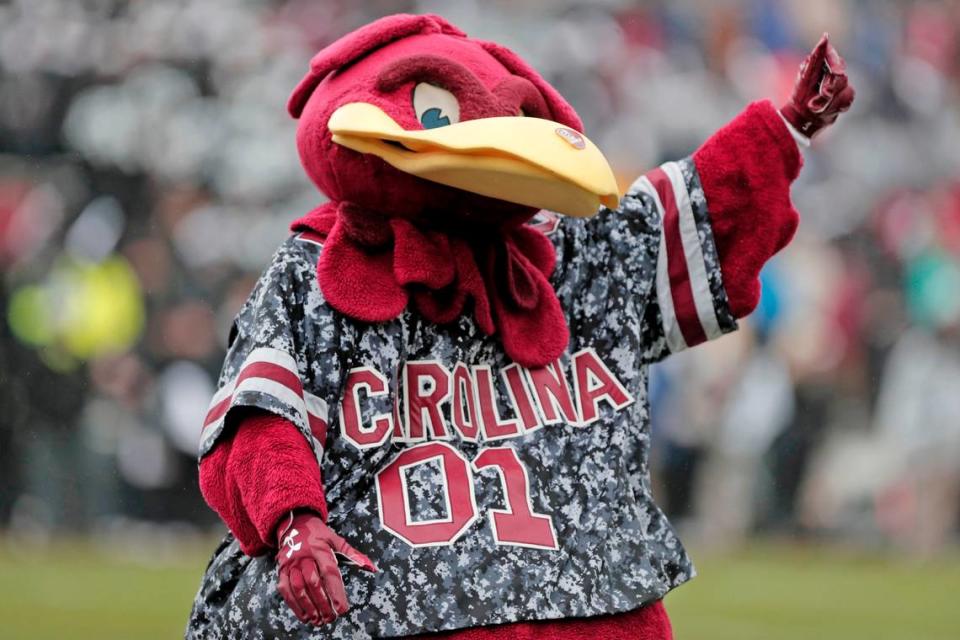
x: 822, y: 91
x: 309, y: 575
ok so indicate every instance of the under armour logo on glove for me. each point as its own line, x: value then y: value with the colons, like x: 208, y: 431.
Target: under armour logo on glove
x: 289, y: 542
x: 308, y: 576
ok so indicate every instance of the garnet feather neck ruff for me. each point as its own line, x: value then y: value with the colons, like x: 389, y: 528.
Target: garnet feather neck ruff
x: 373, y: 267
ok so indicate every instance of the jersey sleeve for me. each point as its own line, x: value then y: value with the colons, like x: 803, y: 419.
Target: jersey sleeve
x: 709, y: 224
x: 688, y: 303
x: 266, y: 361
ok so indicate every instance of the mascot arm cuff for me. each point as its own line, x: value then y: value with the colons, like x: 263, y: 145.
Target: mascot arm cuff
x: 746, y: 169
x: 258, y: 474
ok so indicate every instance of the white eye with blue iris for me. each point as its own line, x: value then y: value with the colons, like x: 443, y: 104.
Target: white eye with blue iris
x: 435, y: 107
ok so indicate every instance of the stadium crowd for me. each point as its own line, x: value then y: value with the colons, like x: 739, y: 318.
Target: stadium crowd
x: 148, y: 171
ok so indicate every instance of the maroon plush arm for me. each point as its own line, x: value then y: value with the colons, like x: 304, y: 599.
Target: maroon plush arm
x: 746, y: 169
x: 257, y: 475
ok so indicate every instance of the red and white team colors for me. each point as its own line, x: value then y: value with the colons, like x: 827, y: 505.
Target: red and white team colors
x: 687, y: 305
x: 270, y: 373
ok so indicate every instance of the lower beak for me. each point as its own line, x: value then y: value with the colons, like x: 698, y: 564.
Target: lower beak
x: 529, y: 161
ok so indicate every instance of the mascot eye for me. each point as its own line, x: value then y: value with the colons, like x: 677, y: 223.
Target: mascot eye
x: 435, y: 107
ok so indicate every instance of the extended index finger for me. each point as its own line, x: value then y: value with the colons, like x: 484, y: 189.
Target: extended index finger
x: 834, y: 61
x: 814, y: 64
x: 820, y: 50
x: 342, y: 547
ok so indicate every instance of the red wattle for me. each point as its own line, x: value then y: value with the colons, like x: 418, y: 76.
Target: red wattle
x: 421, y: 257
x: 359, y: 283
x: 532, y: 337
x: 505, y: 277
x: 537, y: 247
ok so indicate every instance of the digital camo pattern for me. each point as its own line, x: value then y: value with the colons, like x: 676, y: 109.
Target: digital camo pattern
x: 698, y: 202
x: 616, y: 549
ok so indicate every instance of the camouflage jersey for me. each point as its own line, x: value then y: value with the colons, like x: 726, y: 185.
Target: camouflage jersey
x: 485, y: 492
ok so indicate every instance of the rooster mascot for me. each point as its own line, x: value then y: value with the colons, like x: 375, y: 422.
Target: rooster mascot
x: 441, y: 378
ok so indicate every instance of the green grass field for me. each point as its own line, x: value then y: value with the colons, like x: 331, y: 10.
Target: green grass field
x: 72, y: 591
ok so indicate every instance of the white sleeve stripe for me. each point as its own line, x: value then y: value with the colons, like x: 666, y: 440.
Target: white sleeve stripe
x: 305, y: 404
x: 222, y: 394
x: 316, y: 406
x: 693, y: 252
x: 671, y: 327
x: 273, y: 356
x: 261, y: 355
x: 279, y: 392
x: 277, y: 357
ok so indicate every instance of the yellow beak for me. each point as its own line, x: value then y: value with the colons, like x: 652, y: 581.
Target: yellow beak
x: 529, y: 161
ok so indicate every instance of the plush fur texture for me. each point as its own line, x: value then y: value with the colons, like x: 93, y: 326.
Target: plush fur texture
x: 746, y: 169
x: 385, y: 76
x: 560, y: 109
x: 361, y: 42
x: 259, y: 473
x: 476, y: 101
x: 391, y: 240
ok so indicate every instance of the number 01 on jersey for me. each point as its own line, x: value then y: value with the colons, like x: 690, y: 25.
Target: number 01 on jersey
x: 516, y: 525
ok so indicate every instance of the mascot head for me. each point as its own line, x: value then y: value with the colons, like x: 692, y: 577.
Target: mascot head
x: 408, y: 117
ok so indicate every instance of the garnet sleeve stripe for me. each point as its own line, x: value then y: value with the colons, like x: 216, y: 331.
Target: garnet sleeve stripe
x: 671, y: 327
x: 681, y: 324
x: 693, y: 252
x: 683, y: 303
x: 271, y: 373
x: 683, y: 288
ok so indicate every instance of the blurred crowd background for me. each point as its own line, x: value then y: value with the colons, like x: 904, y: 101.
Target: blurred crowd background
x: 148, y: 171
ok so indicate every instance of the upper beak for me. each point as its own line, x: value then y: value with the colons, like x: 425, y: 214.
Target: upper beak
x: 529, y: 161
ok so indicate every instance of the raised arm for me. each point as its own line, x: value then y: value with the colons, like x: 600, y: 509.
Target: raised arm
x: 726, y: 211
x: 747, y: 167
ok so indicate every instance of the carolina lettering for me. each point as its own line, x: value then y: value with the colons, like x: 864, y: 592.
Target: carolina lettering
x: 434, y: 402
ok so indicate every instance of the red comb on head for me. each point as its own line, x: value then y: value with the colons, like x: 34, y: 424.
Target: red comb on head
x: 361, y: 42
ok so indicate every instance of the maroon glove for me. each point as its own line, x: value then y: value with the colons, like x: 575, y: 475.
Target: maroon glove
x: 822, y: 91
x: 310, y: 580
